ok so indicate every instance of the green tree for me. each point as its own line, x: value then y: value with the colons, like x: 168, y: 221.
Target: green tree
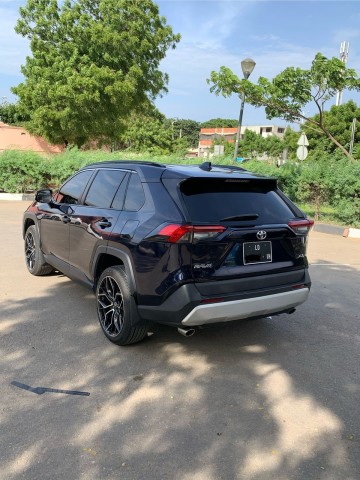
x: 252, y: 145
x: 220, y: 122
x: 290, y: 142
x: 273, y: 146
x: 338, y: 121
x: 10, y: 114
x: 145, y: 133
x: 286, y: 95
x: 186, y: 129
x: 92, y: 63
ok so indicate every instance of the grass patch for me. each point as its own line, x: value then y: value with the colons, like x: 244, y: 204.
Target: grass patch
x: 328, y: 213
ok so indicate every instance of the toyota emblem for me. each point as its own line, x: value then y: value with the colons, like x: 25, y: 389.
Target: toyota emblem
x: 261, y: 234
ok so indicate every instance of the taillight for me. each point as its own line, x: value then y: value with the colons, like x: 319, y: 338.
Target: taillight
x: 173, y: 233
x: 301, y: 227
x: 186, y: 233
x: 206, y: 232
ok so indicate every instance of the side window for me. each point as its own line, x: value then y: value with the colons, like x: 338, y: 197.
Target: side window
x: 72, y: 190
x: 135, y: 197
x: 118, y: 202
x: 104, y: 187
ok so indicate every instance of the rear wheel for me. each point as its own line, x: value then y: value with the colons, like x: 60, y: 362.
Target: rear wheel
x: 114, y: 308
x: 34, y: 258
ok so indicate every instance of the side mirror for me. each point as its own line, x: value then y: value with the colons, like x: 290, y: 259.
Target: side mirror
x: 43, y: 196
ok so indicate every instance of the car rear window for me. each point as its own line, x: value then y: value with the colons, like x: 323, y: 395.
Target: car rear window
x: 213, y: 200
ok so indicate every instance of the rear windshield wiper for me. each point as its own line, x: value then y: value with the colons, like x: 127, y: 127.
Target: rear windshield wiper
x: 245, y: 216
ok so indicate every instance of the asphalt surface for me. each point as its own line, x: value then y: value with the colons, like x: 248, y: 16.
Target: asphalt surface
x: 257, y: 400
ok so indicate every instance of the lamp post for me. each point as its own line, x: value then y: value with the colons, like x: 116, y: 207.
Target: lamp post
x: 247, y: 66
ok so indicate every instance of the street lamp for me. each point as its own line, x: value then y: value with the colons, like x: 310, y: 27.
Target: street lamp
x: 247, y: 66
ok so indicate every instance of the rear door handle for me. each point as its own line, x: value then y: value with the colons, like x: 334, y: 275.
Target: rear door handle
x: 104, y: 223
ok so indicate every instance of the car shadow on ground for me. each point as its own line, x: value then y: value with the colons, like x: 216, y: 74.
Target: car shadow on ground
x: 264, y: 399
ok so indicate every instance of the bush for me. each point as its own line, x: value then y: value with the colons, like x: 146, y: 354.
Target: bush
x: 65, y: 164
x: 348, y: 212
x: 23, y: 171
x: 287, y: 175
x: 323, y: 180
x: 313, y: 185
x: 345, y: 178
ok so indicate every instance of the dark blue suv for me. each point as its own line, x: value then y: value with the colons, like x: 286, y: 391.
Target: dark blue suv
x: 173, y: 244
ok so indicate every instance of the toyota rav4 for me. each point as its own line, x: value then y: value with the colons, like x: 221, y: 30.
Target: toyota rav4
x: 174, y: 244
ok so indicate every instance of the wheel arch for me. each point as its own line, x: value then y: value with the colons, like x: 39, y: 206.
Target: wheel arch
x: 107, y: 257
x: 29, y: 219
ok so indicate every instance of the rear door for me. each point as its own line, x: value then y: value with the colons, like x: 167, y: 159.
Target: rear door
x: 257, y: 239
x: 92, y: 222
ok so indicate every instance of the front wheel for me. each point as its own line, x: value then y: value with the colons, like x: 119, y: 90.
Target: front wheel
x: 33, y: 256
x: 114, y: 308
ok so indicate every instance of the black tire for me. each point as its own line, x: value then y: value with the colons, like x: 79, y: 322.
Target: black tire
x: 114, y: 308
x: 34, y: 258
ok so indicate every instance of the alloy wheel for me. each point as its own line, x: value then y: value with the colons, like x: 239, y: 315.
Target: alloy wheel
x: 110, y: 304
x: 30, y: 250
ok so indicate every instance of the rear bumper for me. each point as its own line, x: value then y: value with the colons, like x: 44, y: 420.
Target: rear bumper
x: 245, y: 308
x: 186, y: 306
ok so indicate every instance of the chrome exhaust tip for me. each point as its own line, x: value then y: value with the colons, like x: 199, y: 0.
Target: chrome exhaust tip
x: 187, y: 332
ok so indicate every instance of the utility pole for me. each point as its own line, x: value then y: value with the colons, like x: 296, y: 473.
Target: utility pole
x: 344, y: 54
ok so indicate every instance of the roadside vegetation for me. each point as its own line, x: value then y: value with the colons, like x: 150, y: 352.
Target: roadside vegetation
x: 326, y: 187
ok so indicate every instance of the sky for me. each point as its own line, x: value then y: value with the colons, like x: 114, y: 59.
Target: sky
x: 276, y: 34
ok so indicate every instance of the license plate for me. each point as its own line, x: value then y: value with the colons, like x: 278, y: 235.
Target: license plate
x: 257, y: 252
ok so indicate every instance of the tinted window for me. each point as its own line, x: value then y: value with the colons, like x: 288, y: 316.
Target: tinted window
x: 72, y: 190
x: 135, y: 196
x: 210, y: 201
x: 104, y: 187
x: 118, y: 202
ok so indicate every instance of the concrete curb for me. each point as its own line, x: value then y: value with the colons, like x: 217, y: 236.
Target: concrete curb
x: 352, y: 232
x: 332, y: 229
x: 28, y: 197
x: 337, y: 230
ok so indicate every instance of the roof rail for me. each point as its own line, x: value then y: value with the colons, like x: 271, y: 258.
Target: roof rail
x: 128, y: 162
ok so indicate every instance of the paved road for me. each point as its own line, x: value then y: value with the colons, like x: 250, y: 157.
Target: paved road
x: 258, y: 400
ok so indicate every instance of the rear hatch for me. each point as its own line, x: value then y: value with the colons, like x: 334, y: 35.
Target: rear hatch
x: 246, y: 235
